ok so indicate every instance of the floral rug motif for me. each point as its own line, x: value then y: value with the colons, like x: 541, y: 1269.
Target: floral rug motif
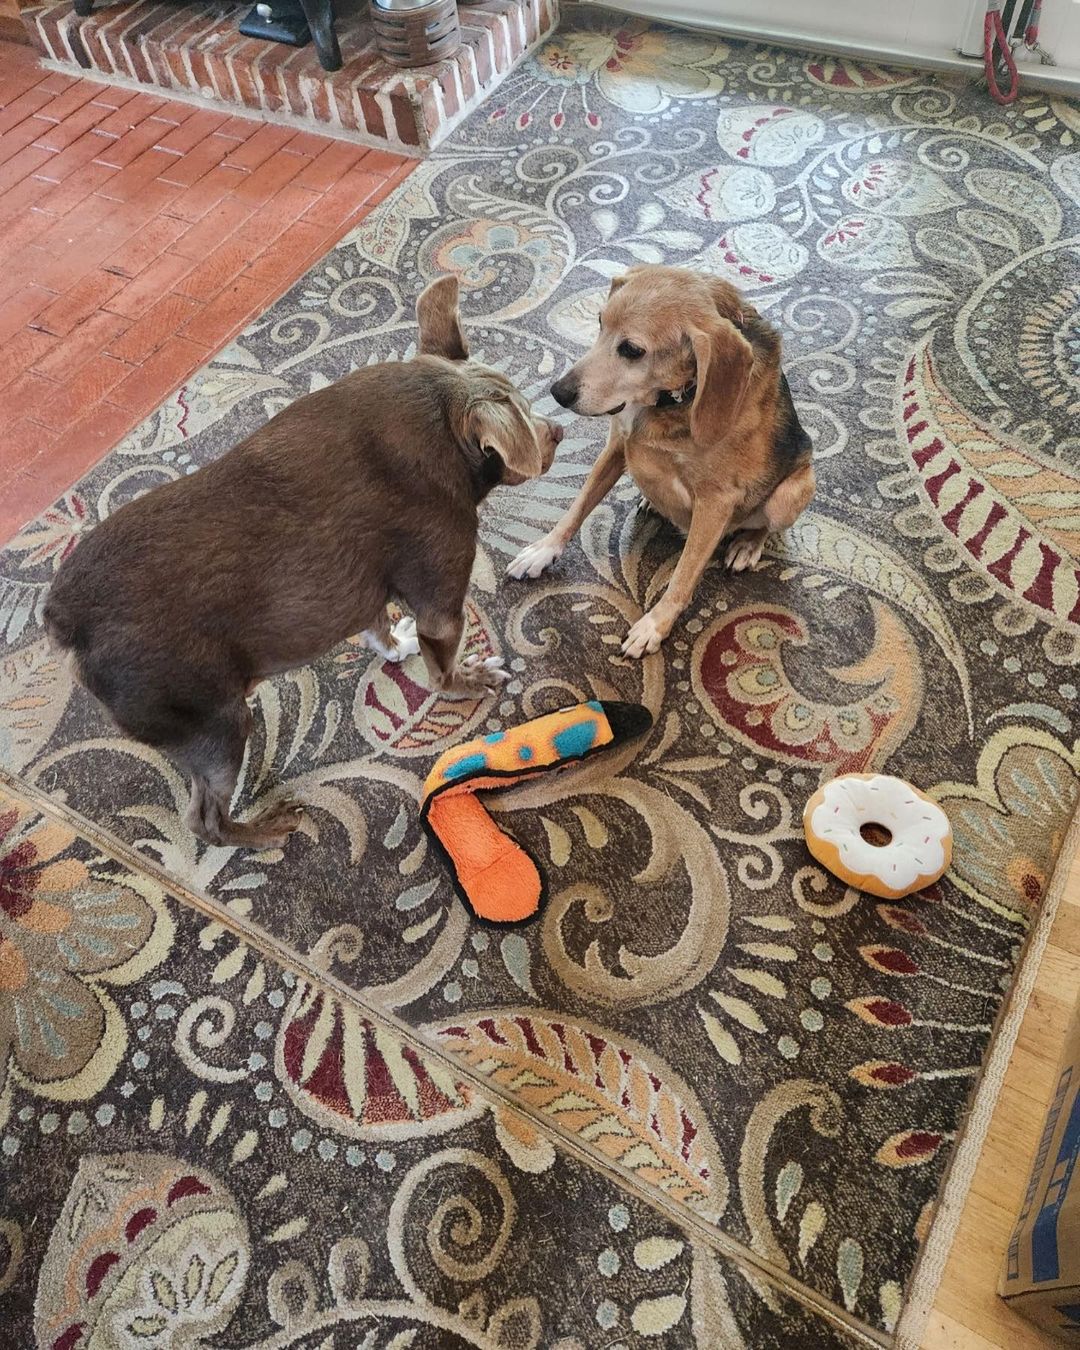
x: 780, y: 1064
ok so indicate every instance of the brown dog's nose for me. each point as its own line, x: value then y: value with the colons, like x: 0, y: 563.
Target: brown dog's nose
x: 557, y: 432
x: 565, y: 391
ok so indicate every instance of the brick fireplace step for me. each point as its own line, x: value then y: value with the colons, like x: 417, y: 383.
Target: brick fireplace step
x: 196, y: 50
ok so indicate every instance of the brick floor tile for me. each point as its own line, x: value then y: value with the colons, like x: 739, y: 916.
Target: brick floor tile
x: 197, y: 162
x: 21, y: 350
x: 57, y: 83
x: 282, y: 210
x: 68, y: 104
x: 80, y: 152
x: 194, y: 202
x: 73, y: 452
x: 150, y: 285
x: 131, y: 114
x: 59, y: 135
x: 22, y: 443
x: 259, y: 147
x: 269, y: 178
x: 217, y: 320
x: 22, y: 164
x: 81, y: 391
x: 306, y: 143
x: 91, y: 293
x: 25, y: 397
x: 21, y: 198
x: 238, y: 128
x: 329, y: 166
x: 109, y: 97
x: 217, y: 269
x: 189, y: 133
x: 21, y: 307
x: 152, y: 331
x: 128, y: 183
x: 219, y: 223
x: 18, y: 138
x: 146, y: 244
x: 86, y: 340
x: 26, y: 229
x: 17, y: 110
x: 384, y: 162
x: 120, y: 152
x: 344, y: 201
x: 64, y: 196
x: 288, y: 255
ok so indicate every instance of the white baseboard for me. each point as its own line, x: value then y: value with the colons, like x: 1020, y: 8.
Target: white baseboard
x: 701, y: 14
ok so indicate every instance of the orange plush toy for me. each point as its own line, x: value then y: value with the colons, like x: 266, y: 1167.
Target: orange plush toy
x: 492, y: 873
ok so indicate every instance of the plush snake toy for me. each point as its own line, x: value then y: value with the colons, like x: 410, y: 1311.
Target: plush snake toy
x: 497, y: 879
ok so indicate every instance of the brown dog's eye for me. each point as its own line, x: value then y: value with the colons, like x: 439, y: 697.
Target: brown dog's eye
x: 629, y: 352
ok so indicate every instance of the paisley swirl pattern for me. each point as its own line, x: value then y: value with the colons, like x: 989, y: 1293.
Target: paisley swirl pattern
x: 700, y: 1010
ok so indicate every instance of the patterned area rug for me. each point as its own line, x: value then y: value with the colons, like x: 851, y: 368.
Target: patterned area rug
x: 710, y: 1096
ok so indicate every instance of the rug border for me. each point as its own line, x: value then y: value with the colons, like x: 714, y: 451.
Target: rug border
x: 955, y: 1188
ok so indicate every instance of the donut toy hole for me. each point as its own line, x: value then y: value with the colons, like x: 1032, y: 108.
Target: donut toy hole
x: 873, y: 833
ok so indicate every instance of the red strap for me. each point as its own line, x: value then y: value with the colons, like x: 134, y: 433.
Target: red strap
x: 1031, y: 32
x: 995, y: 48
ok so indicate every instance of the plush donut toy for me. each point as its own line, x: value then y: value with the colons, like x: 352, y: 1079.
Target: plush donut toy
x: 916, y: 854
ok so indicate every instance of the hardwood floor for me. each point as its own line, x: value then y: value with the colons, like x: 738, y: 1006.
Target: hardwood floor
x: 968, y: 1315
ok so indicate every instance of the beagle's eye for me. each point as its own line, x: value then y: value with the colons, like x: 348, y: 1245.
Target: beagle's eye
x: 630, y: 352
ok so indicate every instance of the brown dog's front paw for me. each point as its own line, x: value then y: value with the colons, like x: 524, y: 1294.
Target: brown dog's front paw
x: 476, y: 676
x: 272, y: 827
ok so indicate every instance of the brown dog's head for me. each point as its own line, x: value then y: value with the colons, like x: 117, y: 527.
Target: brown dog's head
x: 665, y: 329
x: 496, y: 417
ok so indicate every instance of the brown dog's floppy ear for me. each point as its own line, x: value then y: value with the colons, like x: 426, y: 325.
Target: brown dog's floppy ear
x: 439, y: 319
x: 498, y: 426
x: 725, y: 362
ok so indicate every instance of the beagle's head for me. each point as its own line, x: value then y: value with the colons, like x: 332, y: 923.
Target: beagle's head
x: 666, y: 334
x: 497, y: 420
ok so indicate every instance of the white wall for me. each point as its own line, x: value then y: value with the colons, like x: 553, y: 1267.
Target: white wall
x: 927, y: 32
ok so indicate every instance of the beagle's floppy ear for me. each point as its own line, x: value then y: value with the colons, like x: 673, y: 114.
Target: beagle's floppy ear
x: 439, y: 319
x: 725, y: 362
x: 728, y: 301
x: 498, y: 426
x: 621, y: 280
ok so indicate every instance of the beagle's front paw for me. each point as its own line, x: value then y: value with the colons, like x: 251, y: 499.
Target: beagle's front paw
x: 476, y: 676
x: 645, y: 637
x: 536, y: 558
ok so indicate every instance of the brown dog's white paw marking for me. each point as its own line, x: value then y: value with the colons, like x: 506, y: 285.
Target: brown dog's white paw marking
x: 401, y: 644
x: 535, y: 558
x: 403, y: 640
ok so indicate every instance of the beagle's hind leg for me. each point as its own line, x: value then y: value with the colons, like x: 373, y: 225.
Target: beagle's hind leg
x: 212, y: 755
x: 780, y: 509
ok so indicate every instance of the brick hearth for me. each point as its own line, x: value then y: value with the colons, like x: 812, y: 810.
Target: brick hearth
x: 194, y: 50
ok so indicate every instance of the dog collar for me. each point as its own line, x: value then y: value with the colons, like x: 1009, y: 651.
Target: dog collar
x: 673, y: 398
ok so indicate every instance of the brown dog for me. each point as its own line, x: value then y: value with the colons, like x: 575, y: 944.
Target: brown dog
x: 702, y: 418
x: 364, y: 492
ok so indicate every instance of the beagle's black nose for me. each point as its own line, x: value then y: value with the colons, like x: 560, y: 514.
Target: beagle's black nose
x: 565, y: 391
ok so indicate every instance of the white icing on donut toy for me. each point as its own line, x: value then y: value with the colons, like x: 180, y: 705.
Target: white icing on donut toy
x: 917, y: 854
